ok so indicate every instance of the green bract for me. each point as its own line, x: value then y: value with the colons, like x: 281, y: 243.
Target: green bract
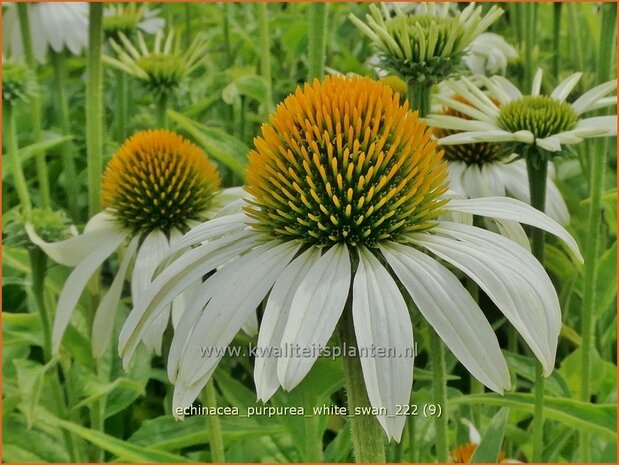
x: 17, y: 82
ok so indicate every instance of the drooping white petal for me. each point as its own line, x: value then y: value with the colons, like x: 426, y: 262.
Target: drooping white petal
x: 73, y: 251
x: 588, y: 100
x: 76, y: 282
x: 103, y: 322
x: 511, y: 277
x: 509, y: 88
x: 474, y: 436
x: 454, y: 173
x: 597, y: 126
x: 551, y: 143
x: 274, y: 322
x: 151, y: 252
x: 102, y: 220
x: 314, y: 313
x: 555, y: 205
x: 564, y: 89
x: 515, y: 210
x: 250, y: 327
x: 179, y: 275
x: 245, y: 283
x: 510, y: 229
x: 452, y: 312
x: 381, y: 319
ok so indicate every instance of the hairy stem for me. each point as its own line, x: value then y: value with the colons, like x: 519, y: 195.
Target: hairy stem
x: 317, y: 40
x: 216, y: 442
x: 265, y: 52
x: 21, y: 187
x: 439, y: 390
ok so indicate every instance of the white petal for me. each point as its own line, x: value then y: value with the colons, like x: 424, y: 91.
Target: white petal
x: 180, y: 303
x: 245, y: 283
x: 564, y: 89
x: 102, y: 220
x: 250, y: 327
x: 474, y: 436
x: 76, y: 282
x: 452, y: 312
x: 589, y: 99
x: 515, y: 210
x: 73, y: 251
x: 472, y: 137
x: 511, y: 277
x: 510, y: 229
x: 459, y: 124
x: 314, y: 313
x: 537, y: 82
x: 274, y: 322
x: 555, y: 205
x: 598, y: 125
x: 509, y: 88
x: 550, y: 143
x: 381, y: 319
x: 151, y: 252
x: 182, y: 273
x: 103, y: 323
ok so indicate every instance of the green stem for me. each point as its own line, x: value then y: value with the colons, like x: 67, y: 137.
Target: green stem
x: 35, y: 106
x: 162, y: 109
x: 412, y: 450
x: 367, y: 435
x: 529, y: 15
x: 419, y: 98
x: 439, y: 389
x: 187, y: 24
x: 94, y: 108
x: 537, y: 169
x: 121, y: 105
x: 38, y: 266
x: 595, y: 220
x: 313, y: 437
x: 317, y: 40
x: 68, y: 167
x: 556, y: 38
x: 13, y: 153
x: 216, y: 442
x: 265, y: 52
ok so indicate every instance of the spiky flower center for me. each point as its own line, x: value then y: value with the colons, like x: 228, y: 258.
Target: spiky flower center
x: 343, y: 162
x: 158, y: 180
x: 541, y: 115
x: 479, y: 153
x: 164, y: 71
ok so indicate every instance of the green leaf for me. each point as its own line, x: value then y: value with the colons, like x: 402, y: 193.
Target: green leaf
x: 96, y: 389
x: 602, y: 382
x: 30, y: 378
x: 490, y: 445
x: 599, y: 419
x: 217, y: 144
x: 251, y: 86
x: 606, y: 283
x: 123, y: 450
x: 525, y: 367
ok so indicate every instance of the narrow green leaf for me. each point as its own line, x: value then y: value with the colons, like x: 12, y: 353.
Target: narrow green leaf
x: 252, y: 86
x: 488, y: 449
x: 26, y: 153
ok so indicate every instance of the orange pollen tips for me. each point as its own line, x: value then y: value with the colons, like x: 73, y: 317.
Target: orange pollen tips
x: 479, y: 153
x: 343, y: 161
x: 158, y: 180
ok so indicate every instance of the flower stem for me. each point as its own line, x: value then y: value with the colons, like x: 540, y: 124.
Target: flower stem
x: 35, y: 106
x: 556, y: 38
x: 439, y: 389
x: 317, y: 40
x: 38, y: 267
x: 162, y: 109
x: 367, y: 435
x: 68, y: 167
x: 419, y: 98
x: 592, y: 247
x: 13, y: 153
x: 529, y: 29
x: 94, y: 108
x: 216, y: 442
x: 537, y: 169
x: 265, y: 53
x: 121, y: 105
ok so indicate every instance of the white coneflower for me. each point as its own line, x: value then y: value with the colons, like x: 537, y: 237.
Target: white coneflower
x: 547, y: 122
x: 489, y: 54
x: 162, y: 67
x: 52, y: 25
x: 426, y: 47
x: 346, y: 197
x: 154, y: 189
x: 127, y: 18
x: 486, y: 169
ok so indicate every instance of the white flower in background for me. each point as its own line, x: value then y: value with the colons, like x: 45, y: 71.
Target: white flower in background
x: 486, y: 169
x: 154, y: 188
x: 489, y: 54
x: 547, y: 122
x: 129, y: 17
x: 52, y: 25
x: 343, y: 202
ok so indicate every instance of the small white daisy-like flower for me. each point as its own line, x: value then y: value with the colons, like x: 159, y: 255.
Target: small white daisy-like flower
x: 346, y: 200
x: 154, y: 189
x: 486, y: 169
x: 52, y: 25
x: 546, y: 122
x: 489, y: 54
x: 428, y: 46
